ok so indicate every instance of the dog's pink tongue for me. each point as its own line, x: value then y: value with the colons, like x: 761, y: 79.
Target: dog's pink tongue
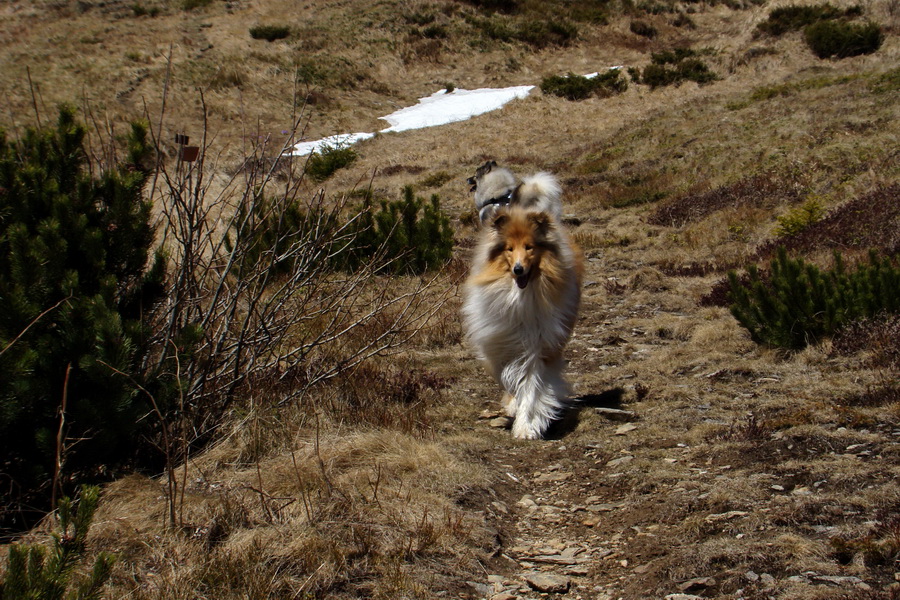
x: 522, y: 281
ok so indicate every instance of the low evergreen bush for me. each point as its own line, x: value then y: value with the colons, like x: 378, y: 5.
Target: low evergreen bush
x: 413, y: 235
x: 270, y: 33
x: 643, y: 29
x: 800, y: 218
x: 578, y: 87
x: 798, y: 304
x: 672, y: 67
x: 324, y: 162
x: 837, y: 39
x: 36, y: 572
x: 76, y: 289
x: 795, y: 17
x: 410, y: 236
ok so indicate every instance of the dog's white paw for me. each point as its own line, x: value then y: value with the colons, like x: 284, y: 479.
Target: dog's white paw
x: 523, y: 430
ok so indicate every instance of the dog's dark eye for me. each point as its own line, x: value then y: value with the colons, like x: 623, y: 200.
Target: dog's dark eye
x: 528, y: 247
x: 509, y: 248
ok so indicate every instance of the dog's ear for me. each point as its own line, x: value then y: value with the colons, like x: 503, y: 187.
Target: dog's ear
x: 486, y: 167
x: 541, y: 221
x: 500, y: 221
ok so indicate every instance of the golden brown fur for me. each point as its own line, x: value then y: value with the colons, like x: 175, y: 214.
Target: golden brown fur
x: 521, y: 304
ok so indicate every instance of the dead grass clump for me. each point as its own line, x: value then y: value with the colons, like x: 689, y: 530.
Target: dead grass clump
x: 875, y: 396
x: 359, y: 515
x: 761, y: 190
x: 648, y: 279
x: 750, y: 429
x: 383, y: 397
x: 879, y: 337
x: 866, y: 222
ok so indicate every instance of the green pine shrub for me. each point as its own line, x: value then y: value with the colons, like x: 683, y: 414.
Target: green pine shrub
x: 798, y: 304
x: 796, y: 17
x: 837, y: 39
x: 413, y: 235
x: 264, y: 230
x: 323, y: 163
x: 578, y: 87
x: 49, y: 574
x: 643, y: 29
x: 270, y: 33
x: 410, y: 236
x: 538, y: 33
x: 672, y: 67
x: 194, y: 4
x: 76, y: 286
x: 800, y: 218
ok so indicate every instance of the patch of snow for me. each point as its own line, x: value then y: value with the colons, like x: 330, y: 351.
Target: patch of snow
x: 335, y: 141
x: 440, y: 108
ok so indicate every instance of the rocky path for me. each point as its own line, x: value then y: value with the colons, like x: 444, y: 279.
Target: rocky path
x: 662, y: 482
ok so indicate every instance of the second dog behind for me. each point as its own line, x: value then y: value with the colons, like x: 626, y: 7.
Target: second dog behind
x: 496, y: 187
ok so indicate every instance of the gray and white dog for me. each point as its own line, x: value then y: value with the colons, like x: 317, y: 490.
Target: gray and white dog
x: 496, y: 187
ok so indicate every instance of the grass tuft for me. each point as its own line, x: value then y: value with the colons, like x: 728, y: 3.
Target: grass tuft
x: 270, y: 33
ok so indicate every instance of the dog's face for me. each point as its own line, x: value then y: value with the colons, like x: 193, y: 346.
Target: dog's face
x: 479, y: 173
x: 521, y: 242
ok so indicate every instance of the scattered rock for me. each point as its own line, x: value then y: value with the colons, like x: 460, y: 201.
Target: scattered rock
x: 644, y: 568
x: 726, y: 516
x: 500, y: 422
x: 626, y: 428
x: 697, y: 585
x: 684, y: 597
x: 504, y: 596
x: 548, y: 477
x: 843, y: 581
x: 604, y: 507
x: 548, y: 582
x: 482, y: 589
x: 526, y: 501
x: 619, y: 461
x: 615, y: 414
x: 501, y: 507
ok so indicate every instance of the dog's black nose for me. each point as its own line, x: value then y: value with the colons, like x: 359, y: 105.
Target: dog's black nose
x: 518, y: 270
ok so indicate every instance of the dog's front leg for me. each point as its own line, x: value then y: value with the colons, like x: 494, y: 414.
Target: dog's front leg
x: 510, y: 404
x: 540, y: 394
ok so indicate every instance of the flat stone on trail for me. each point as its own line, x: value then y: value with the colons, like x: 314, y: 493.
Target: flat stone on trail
x: 616, y: 414
x: 548, y: 582
x: 626, y: 428
x: 548, y: 477
x: 500, y: 422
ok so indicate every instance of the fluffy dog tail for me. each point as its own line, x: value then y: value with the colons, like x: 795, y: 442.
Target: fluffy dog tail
x: 541, y: 192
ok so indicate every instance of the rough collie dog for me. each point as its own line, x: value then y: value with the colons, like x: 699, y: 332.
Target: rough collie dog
x: 497, y: 187
x: 521, y: 301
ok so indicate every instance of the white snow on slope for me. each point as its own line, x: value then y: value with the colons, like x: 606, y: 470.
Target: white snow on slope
x: 439, y: 108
